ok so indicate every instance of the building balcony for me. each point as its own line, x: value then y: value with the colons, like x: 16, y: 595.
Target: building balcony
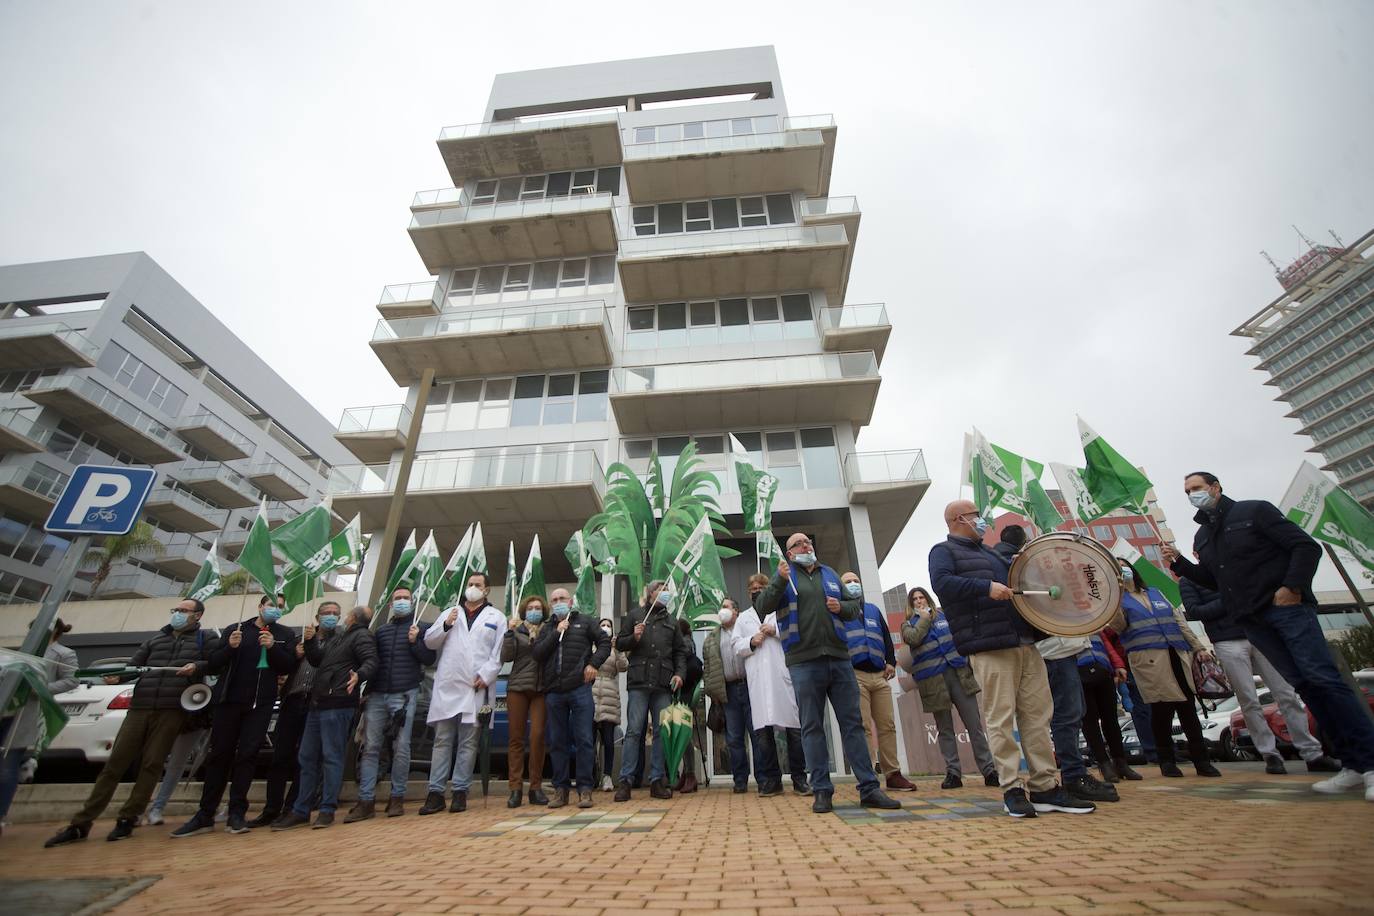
x: 500, y: 148
x: 776, y: 391
x: 450, y: 231
x: 278, y: 481
x: 798, y: 156
x: 18, y: 432
x: 492, y: 341
x: 43, y: 345
x: 132, y: 582
x: 101, y: 412
x: 891, y: 485
x: 516, y: 492
x: 835, y: 211
x: 374, y: 433
x: 856, y: 327
x: 183, y: 511
x: 732, y: 262
x: 29, y: 487
x: 215, y: 437
x: 182, y: 555
x: 218, y: 483
x: 410, y: 300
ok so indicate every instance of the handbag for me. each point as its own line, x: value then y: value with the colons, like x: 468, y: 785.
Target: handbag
x: 715, y: 717
x: 1209, y: 680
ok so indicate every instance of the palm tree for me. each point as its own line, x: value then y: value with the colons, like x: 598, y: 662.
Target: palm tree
x: 234, y: 583
x: 137, y: 542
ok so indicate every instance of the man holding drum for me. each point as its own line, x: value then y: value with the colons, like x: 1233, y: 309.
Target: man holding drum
x: 971, y: 582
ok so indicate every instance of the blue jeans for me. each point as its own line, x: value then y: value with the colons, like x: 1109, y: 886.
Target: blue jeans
x: 9, y: 768
x: 322, y: 758
x: 1292, y: 640
x: 570, y: 725
x: 447, y: 732
x: 738, y: 723
x: 813, y: 683
x: 642, y: 702
x: 1140, y: 717
x: 377, y: 713
x: 1066, y: 725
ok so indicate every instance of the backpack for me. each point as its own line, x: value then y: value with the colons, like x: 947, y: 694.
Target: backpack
x: 1210, y: 681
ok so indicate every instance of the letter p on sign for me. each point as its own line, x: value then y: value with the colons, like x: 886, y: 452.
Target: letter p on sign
x: 102, y: 491
x: 101, y: 499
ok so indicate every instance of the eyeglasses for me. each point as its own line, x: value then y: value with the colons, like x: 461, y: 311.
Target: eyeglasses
x: 802, y: 542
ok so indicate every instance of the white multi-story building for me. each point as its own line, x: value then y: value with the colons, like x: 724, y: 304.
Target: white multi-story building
x: 108, y: 360
x: 616, y: 275
x: 1316, y: 341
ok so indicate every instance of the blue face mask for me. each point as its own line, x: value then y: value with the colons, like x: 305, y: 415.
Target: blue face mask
x: 980, y: 525
x: 534, y: 615
x: 271, y: 614
x: 1127, y: 575
x: 179, y: 619
x: 854, y: 589
x: 561, y: 609
x: 664, y: 598
x: 400, y: 607
x: 805, y: 559
x: 1201, y: 499
x: 329, y: 621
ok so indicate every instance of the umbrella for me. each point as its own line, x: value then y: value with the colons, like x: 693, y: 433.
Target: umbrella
x: 675, y: 731
x: 484, y: 743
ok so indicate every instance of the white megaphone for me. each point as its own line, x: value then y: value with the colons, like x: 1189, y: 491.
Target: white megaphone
x: 196, y: 697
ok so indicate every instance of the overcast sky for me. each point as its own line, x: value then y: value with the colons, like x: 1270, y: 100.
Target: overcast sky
x: 1063, y: 205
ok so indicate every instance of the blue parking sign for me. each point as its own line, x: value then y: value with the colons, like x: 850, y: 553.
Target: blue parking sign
x: 101, y: 499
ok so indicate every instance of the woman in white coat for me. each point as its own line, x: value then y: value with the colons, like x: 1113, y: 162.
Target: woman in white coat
x: 771, y: 700
x: 468, y: 640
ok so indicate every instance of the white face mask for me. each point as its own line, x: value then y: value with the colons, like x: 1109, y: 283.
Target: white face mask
x: 473, y: 594
x: 1201, y: 499
x: 726, y: 615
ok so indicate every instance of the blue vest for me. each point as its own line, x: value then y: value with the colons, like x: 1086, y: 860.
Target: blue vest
x: 936, y: 652
x: 1151, y: 626
x: 789, y: 628
x: 865, y: 638
x: 1095, y: 654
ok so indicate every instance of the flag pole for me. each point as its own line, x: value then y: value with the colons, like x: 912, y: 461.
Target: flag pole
x: 1349, y: 583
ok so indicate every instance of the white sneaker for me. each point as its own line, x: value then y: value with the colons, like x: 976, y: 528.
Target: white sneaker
x: 223, y: 814
x: 153, y: 818
x: 1344, y: 781
x: 1369, y: 785
x: 606, y: 785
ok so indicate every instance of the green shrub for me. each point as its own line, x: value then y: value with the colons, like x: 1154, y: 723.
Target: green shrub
x: 1357, y: 645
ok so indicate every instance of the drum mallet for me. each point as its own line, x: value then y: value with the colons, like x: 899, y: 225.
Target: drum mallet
x: 1053, y: 591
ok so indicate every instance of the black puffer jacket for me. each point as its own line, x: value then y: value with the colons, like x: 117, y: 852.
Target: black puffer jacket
x: 564, y: 660
x: 335, y: 659
x: 1206, y: 607
x: 240, y: 678
x: 170, y: 649
x: 517, y: 647
x: 400, y: 663
x: 656, y: 656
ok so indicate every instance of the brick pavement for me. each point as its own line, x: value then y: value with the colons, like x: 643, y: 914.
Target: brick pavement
x: 1169, y: 846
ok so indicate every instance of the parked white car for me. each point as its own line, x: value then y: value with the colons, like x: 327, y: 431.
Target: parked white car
x: 95, y: 711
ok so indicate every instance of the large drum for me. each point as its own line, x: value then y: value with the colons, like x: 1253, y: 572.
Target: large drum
x: 1065, y: 584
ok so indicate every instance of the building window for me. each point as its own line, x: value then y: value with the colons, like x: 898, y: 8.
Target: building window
x: 501, y: 283
x: 23, y: 380
x: 1143, y: 530
x: 546, y: 186
x: 715, y: 214
x: 710, y: 322
x: 141, y: 379
x: 1103, y: 533
x: 527, y: 400
x: 1123, y: 531
x: 696, y: 130
x: 815, y: 464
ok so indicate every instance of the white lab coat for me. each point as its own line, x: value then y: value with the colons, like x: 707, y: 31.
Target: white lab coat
x: 464, y: 656
x: 771, y: 699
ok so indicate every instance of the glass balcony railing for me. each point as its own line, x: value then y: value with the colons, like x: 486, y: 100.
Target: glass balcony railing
x: 809, y: 122
x: 35, y: 477
x: 482, y: 468
x: 450, y: 207
x: 855, y: 317
x: 662, y: 149
x: 378, y: 418
x: 829, y: 206
x: 189, y: 502
x: 492, y: 320
x: 271, y: 468
x: 496, y: 128
x: 785, y: 370
x: 11, y: 329
x: 131, y: 581
x: 885, y: 467
x: 112, y: 404
x: 213, y: 470
x: 732, y: 240
x: 220, y: 428
x: 22, y: 422
x: 425, y: 291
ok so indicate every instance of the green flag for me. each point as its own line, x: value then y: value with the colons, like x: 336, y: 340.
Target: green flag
x: 698, y: 580
x: 512, y: 601
x: 454, y: 578
x: 756, y: 490
x: 305, y: 535
x: 207, y: 582
x: 32, y: 688
x: 425, y: 571
x: 532, y: 581
x: 985, y: 472
x: 1041, y: 509
x: 1318, y: 506
x: 1080, y: 500
x: 584, y: 567
x: 477, y: 558
x: 1147, y: 572
x: 767, y: 549
x: 403, y: 562
x: 257, y: 558
x: 300, y: 587
x: 1111, y: 479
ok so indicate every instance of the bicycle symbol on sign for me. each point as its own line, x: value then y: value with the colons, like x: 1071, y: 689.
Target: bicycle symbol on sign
x: 104, y: 515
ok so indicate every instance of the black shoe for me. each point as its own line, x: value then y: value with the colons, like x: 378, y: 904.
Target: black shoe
x: 1057, y: 799
x: 1170, y: 769
x: 236, y: 824
x: 459, y: 803
x: 879, y: 799
x: 266, y: 819
x: 290, y: 821
x: 801, y: 787
x: 516, y: 799
x: 952, y: 781
x: 123, y: 829
x: 537, y: 797
x: 362, y: 811
x: 68, y: 834
x: 1204, y: 768
x: 1015, y: 803
x: 657, y: 789
x: 434, y: 803
x: 770, y: 789
x: 195, y: 825
x: 739, y: 790
x: 1273, y: 765
x: 1108, y: 771
x: 1087, y: 789
x: 991, y: 780
x: 1323, y: 764
x: 622, y: 791
x: 1123, y: 769
x: 323, y: 820
x: 822, y: 804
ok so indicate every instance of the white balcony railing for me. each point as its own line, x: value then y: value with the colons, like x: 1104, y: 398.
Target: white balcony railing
x: 112, y: 404
x: 786, y: 370
x: 449, y: 206
x: 12, y: 328
x: 35, y: 477
x: 495, y: 320
x: 375, y: 419
x: 497, y: 128
x: 424, y: 291
x: 725, y: 241
x: 220, y: 428
x: 855, y: 317
x: 663, y: 149
x: 483, y: 468
x: 814, y: 207
x: 906, y: 466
